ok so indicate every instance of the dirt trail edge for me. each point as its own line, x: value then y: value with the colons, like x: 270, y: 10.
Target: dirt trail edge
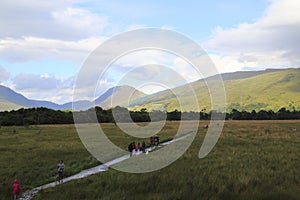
x: 29, y: 194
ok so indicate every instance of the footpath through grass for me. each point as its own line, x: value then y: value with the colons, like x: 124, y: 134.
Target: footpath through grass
x: 30, y: 154
x: 252, y: 160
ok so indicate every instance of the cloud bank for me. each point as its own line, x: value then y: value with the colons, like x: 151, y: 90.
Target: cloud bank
x: 271, y: 41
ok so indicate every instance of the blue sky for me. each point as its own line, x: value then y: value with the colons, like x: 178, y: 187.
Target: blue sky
x: 44, y: 44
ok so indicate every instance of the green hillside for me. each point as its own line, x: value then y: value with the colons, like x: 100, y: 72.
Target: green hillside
x: 248, y: 90
x: 268, y: 90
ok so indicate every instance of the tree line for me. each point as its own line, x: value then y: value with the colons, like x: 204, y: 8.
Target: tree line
x: 35, y: 116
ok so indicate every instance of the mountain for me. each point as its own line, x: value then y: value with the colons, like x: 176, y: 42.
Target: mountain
x: 119, y: 95
x: 8, y: 96
x: 254, y: 90
x: 269, y: 89
x: 7, y: 106
x: 11, y: 100
x: 77, y: 105
x: 115, y: 96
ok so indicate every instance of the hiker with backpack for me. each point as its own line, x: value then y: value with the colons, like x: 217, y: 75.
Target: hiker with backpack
x: 130, y: 149
x: 151, y: 141
x: 60, y: 169
x: 143, y: 146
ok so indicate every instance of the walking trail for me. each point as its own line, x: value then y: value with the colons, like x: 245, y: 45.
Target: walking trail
x: 28, y: 195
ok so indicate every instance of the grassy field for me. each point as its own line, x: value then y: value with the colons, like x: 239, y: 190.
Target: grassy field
x: 252, y: 160
x: 30, y: 154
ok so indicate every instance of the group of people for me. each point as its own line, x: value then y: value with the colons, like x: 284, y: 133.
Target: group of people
x: 134, y: 148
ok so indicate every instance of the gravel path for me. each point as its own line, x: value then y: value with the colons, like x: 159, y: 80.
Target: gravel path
x: 28, y: 195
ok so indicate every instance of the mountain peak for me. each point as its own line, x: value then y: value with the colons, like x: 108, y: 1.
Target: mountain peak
x: 118, y: 96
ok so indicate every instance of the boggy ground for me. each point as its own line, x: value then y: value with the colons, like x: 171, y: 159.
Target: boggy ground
x: 252, y: 160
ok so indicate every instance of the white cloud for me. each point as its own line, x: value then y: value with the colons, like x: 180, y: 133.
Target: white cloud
x: 79, y: 22
x: 58, y: 30
x: 32, y: 48
x: 46, y: 87
x: 4, y: 75
x: 143, y: 57
x: 48, y: 19
x: 135, y: 26
x: 272, y: 41
x: 186, y: 70
x: 226, y: 63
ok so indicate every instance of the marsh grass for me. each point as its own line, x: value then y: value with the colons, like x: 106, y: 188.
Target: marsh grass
x: 30, y: 154
x: 246, y: 163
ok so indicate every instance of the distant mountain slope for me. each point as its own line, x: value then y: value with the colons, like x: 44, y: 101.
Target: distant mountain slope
x: 119, y: 96
x: 268, y: 89
x: 242, y: 74
x: 9, y: 96
x: 11, y: 100
x: 6, y: 106
x: 77, y: 105
x: 116, y: 94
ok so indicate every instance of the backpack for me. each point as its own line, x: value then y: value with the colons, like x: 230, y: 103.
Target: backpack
x: 130, y: 147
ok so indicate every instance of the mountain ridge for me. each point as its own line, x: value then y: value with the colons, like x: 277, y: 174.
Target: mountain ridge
x: 268, y: 89
x: 11, y: 100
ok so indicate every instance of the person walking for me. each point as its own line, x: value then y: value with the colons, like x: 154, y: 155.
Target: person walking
x: 156, y: 140
x: 133, y: 148
x: 60, y: 169
x: 138, y: 148
x: 143, y: 146
x: 151, y: 141
x: 16, y: 189
x: 130, y: 149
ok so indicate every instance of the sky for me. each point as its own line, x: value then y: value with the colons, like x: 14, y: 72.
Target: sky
x: 44, y: 44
